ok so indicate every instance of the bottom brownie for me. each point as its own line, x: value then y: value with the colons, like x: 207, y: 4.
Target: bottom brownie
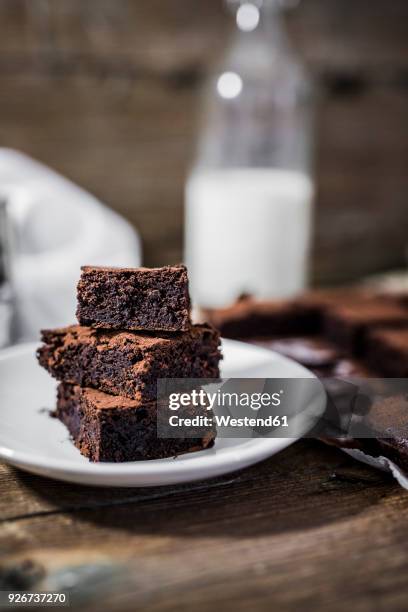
x: 113, y: 428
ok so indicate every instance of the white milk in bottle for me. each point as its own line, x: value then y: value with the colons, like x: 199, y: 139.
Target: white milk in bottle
x: 247, y: 231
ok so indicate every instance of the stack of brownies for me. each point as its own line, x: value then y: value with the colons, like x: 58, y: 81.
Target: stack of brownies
x: 134, y: 327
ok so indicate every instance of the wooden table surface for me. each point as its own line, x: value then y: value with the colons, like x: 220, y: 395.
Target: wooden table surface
x: 308, y: 529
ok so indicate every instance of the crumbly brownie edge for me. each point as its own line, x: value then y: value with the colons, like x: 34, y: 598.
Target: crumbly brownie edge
x: 127, y: 370
x: 82, y: 425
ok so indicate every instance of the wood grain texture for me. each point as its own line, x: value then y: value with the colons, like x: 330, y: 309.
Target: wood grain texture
x: 87, y: 86
x: 308, y: 529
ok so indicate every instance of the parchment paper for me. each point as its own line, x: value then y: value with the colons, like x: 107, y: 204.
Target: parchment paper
x: 381, y: 463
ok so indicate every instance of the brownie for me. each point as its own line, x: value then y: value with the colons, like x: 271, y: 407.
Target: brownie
x: 346, y: 337
x: 384, y: 431
x: 128, y: 363
x: 387, y: 352
x: 387, y: 424
x: 348, y: 324
x: 155, y: 299
x: 323, y: 299
x: 249, y: 317
x: 395, y: 294
x: 114, y: 428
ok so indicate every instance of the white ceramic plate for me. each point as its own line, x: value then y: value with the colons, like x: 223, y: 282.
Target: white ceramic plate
x: 32, y: 441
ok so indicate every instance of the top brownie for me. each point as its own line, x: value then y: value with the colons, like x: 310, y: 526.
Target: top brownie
x: 149, y: 299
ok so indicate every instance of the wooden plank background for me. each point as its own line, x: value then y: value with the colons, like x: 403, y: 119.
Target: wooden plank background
x: 107, y: 92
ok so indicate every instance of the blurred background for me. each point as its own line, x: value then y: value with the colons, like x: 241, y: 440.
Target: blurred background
x: 109, y: 92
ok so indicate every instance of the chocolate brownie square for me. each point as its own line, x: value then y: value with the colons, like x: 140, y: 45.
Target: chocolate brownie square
x: 128, y: 363
x: 348, y: 325
x: 323, y: 299
x: 155, y: 299
x: 251, y: 318
x: 387, y: 352
x: 387, y: 429
x: 114, y: 428
x: 256, y: 318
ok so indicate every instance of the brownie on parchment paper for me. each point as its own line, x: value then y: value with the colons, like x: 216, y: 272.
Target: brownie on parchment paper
x: 148, y: 299
x: 338, y: 319
x: 342, y: 335
x: 387, y: 424
x: 387, y: 352
x: 114, y: 428
x: 250, y: 317
x: 129, y: 363
x: 347, y: 325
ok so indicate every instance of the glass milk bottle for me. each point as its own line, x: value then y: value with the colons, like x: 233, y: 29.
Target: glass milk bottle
x: 249, y: 194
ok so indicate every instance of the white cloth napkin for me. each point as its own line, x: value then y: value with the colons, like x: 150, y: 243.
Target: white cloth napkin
x: 56, y: 228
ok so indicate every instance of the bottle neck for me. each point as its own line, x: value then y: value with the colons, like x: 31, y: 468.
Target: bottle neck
x: 263, y: 20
